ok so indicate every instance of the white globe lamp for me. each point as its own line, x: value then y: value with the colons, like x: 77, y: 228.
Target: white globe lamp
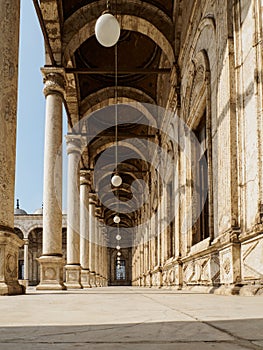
x: 116, y: 219
x: 116, y: 180
x: 107, y: 30
x: 118, y: 247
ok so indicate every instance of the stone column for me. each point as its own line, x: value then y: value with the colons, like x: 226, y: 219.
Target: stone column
x: 73, y: 215
x: 101, y: 255
x: 51, y: 262
x: 105, y: 260
x: 84, y: 227
x: 97, y: 244
x: 35, y: 266
x: 92, y: 234
x: 9, y: 242
x: 26, y: 278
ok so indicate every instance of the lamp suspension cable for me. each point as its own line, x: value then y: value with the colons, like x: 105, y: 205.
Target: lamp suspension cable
x: 116, y: 98
x: 116, y: 105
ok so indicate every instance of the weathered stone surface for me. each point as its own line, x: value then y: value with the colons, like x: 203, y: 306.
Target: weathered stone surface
x: 9, y: 246
x: 9, y: 46
x: 161, y: 320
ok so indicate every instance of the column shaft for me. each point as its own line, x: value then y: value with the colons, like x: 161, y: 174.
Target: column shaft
x: 84, y: 228
x: 9, y: 242
x: 26, y: 261
x: 52, y: 194
x: 97, y: 245
x: 92, y: 234
x: 73, y: 215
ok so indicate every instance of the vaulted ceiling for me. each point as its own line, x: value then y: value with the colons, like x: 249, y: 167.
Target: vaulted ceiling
x: 145, y: 57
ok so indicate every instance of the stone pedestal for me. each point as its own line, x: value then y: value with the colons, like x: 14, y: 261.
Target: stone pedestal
x: 140, y: 281
x: 157, y: 277
x: 92, y: 279
x: 98, y: 280
x: 149, y: 279
x: 144, y: 284
x: 73, y: 277
x: 178, y: 274
x: 85, y: 278
x: 9, y: 246
x: 51, y: 273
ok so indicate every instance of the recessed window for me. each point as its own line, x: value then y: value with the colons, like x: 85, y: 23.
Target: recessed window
x: 201, y: 227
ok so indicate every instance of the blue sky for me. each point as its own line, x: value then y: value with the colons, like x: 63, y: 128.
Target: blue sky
x: 31, y: 113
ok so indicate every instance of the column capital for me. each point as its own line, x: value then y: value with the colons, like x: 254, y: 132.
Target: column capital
x: 26, y: 241
x: 73, y: 143
x: 85, y: 177
x: 54, y: 80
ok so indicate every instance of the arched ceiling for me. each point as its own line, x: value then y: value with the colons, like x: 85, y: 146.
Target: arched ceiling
x: 71, y: 6
x: 94, y: 56
x: 145, y: 57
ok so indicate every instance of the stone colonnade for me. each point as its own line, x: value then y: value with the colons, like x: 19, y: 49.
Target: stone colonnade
x: 85, y: 257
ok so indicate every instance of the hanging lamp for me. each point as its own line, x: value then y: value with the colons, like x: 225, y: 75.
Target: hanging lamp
x: 107, y: 28
x: 116, y: 219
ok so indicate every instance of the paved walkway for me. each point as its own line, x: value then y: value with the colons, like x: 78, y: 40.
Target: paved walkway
x: 130, y: 319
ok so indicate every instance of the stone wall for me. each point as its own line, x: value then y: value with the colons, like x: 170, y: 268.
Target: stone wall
x: 220, y: 72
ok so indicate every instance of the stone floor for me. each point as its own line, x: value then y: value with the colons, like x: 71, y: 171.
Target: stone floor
x: 130, y: 318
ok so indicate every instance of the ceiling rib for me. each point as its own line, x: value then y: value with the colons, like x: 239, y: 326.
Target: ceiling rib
x: 120, y: 71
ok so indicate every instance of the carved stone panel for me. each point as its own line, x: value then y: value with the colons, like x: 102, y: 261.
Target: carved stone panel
x: 230, y: 264
x: 252, y: 259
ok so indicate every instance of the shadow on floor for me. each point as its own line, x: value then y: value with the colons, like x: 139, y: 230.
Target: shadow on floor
x: 219, y: 335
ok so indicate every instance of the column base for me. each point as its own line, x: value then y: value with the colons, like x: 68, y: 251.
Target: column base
x: 85, y: 278
x: 51, y: 273
x: 11, y: 288
x: 9, y: 250
x: 98, y: 282
x: 101, y: 281
x: 92, y: 279
x: 157, y: 277
x: 144, y: 284
x: 149, y: 279
x: 228, y: 290
x: 73, y: 277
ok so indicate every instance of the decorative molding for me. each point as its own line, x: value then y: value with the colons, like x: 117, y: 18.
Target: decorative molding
x: 54, y: 81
